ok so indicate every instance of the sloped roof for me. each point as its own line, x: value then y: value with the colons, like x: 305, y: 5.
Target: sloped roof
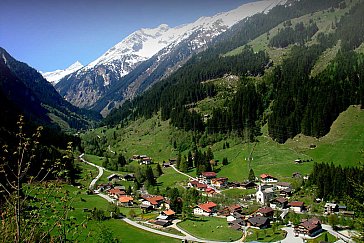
x: 209, y: 174
x: 264, y: 176
x: 169, y: 212
x: 265, y: 210
x: 296, y: 204
x: 154, y: 200
x: 125, y: 199
x: 207, y: 207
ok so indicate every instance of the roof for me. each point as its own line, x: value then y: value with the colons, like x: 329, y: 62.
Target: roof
x: 154, y: 200
x: 210, y: 190
x: 201, y: 185
x: 207, y: 207
x: 162, y: 222
x: 169, y: 212
x: 258, y: 221
x: 220, y: 179
x: 296, y: 204
x: 311, y: 224
x: 281, y: 200
x: 264, y: 176
x: 209, y: 174
x: 235, y: 207
x: 116, y: 191
x: 284, y: 184
x: 332, y: 205
x: 265, y: 210
x: 125, y: 199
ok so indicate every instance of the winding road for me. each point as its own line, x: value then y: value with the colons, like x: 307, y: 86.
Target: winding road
x: 101, y: 171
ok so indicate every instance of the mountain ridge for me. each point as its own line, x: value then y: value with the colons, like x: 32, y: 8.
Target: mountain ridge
x: 92, y: 83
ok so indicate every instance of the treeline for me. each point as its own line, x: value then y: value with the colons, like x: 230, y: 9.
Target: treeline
x: 300, y: 34
x: 335, y: 182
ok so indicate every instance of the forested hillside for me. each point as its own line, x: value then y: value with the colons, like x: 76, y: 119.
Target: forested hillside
x: 282, y: 94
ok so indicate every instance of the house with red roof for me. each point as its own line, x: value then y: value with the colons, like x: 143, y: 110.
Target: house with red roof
x: 221, y: 182
x: 297, y: 206
x: 154, y: 201
x: 210, y: 192
x: 125, y: 201
x: 266, y: 178
x: 167, y: 215
x: 206, y: 177
x: 116, y: 192
x: 205, y: 209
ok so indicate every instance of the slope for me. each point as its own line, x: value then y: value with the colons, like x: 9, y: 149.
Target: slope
x: 36, y: 98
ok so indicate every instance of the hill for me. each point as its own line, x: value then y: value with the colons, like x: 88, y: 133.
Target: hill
x: 33, y: 96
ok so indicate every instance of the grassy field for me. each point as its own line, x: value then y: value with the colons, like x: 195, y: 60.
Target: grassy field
x: 171, y: 178
x: 211, y: 228
x: 265, y: 235
x: 321, y: 238
x: 237, y: 193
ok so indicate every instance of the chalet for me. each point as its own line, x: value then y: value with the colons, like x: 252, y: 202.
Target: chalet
x: 266, y: 178
x: 162, y: 222
x: 285, y: 192
x: 207, y: 176
x: 113, y: 177
x: 116, y: 193
x: 331, y: 208
x: 235, y: 208
x: 145, y: 161
x: 264, y: 196
x: 310, y: 227
x: 209, y: 192
x: 283, y: 185
x: 297, y: 206
x: 248, y: 185
x: 258, y: 222
x: 266, y: 212
x: 125, y: 201
x: 199, y: 186
x: 167, y: 215
x: 166, y: 164
x: 136, y: 157
x: 219, y: 182
x: 129, y: 177
x: 205, y: 209
x: 152, y: 200
x: 279, y: 202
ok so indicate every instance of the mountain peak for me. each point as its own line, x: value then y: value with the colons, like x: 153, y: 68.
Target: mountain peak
x: 54, y: 76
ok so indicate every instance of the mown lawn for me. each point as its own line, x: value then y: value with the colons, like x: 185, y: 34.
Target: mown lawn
x: 265, y: 235
x: 237, y: 193
x: 321, y: 238
x: 210, y: 228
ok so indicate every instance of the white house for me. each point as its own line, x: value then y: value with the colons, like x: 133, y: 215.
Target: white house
x: 205, y: 209
x: 297, y: 207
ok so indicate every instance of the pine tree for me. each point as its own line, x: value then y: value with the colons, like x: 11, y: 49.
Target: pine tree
x: 251, y: 175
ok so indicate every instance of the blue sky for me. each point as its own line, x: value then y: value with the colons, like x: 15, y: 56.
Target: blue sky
x: 53, y: 34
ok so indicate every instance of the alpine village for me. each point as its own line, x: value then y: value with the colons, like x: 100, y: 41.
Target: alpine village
x: 251, y: 131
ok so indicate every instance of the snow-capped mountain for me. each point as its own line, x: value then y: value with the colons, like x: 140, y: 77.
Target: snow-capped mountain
x: 125, y: 67
x: 55, y: 76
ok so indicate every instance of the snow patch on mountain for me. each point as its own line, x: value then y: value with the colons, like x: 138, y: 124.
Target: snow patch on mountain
x: 55, y: 76
x: 144, y: 43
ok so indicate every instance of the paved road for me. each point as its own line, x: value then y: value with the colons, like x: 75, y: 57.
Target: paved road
x: 329, y: 229
x: 101, y: 172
